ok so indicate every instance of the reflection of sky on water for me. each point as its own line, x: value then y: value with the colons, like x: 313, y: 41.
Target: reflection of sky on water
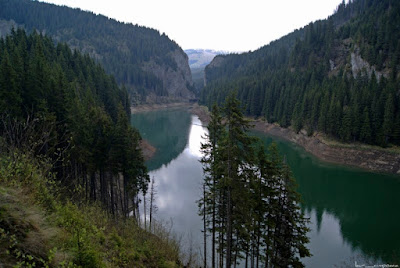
x: 327, y: 243
x: 347, y: 225
x: 196, y: 137
x: 179, y: 186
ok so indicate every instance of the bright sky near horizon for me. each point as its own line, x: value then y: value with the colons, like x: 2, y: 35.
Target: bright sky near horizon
x: 229, y: 25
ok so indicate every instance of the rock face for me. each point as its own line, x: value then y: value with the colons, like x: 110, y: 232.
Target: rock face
x: 358, y: 65
x: 215, y: 63
x: 6, y: 26
x: 177, y: 81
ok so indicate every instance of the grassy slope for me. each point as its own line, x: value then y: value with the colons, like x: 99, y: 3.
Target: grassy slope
x: 37, y: 228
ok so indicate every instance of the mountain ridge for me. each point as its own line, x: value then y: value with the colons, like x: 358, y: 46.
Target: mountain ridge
x: 336, y: 76
x: 123, y: 49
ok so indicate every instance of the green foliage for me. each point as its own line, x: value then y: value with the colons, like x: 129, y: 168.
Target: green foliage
x: 72, y: 112
x: 305, y: 79
x: 121, y: 48
x: 69, y: 138
x: 67, y: 235
x: 249, y: 204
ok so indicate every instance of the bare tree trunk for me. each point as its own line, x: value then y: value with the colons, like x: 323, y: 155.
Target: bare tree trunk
x: 228, y: 231
x: 152, y: 208
x: 112, y: 196
x: 213, y: 226
x: 144, y: 210
x: 126, y: 200
x: 204, y: 225
x: 121, y: 198
x: 93, y: 186
x: 137, y: 209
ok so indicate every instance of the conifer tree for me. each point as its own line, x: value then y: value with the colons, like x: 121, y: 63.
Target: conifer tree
x: 249, y: 201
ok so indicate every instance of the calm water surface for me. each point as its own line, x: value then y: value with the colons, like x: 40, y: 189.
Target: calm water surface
x: 354, y: 214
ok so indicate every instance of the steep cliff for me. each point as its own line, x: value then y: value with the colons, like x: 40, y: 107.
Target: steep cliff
x: 176, y: 81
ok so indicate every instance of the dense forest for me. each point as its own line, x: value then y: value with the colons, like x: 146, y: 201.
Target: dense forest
x: 60, y: 104
x: 339, y: 76
x: 121, y: 48
x: 250, y: 206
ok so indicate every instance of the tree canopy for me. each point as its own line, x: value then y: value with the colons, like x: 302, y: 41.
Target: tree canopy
x: 120, y: 47
x: 338, y: 76
x: 59, y: 103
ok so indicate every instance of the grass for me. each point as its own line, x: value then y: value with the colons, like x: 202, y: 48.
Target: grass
x: 37, y: 229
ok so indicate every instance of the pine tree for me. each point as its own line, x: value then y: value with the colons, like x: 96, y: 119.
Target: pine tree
x: 212, y: 171
x: 365, y: 132
x: 388, y: 118
x: 248, y: 201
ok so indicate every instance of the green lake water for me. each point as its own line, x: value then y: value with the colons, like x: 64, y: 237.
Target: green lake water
x: 354, y: 214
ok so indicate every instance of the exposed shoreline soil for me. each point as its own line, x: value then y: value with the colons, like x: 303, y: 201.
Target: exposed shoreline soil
x: 148, y: 150
x: 377, y: 160
x: 153, y: 107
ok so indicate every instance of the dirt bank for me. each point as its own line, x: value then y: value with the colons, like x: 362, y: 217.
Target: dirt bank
x: 153, y: 107
x: 147, y: 149
x: 201, y: 112
x: 357, y: 155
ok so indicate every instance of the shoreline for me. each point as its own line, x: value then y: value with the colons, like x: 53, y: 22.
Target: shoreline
x: 148, y: 150
x: 154, y: 107
x: 367, y: 158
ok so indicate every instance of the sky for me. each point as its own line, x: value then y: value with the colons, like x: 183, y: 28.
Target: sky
x: 228, y: 25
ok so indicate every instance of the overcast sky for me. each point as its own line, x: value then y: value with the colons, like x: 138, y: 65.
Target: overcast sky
x: 228, y: 25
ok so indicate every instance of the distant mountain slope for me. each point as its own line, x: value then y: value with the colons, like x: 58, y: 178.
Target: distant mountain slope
x: 198, y: 60
x: 339, y: 76
x: 150, y: 65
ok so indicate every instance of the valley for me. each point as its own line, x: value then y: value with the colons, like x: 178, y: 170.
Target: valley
x: 120, y: 148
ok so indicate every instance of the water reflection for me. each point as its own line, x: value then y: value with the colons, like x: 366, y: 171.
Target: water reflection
x: 196, y: 137
x: 178, y: 186
x: 167, y: 130
x: 353, y: 213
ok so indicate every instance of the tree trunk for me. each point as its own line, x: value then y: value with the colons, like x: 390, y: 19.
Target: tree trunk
x: 204, y: 225
x: 144, y: 211
x: 228, y: 230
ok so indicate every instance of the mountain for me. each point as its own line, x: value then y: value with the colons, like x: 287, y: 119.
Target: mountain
x: 198, y: 60
x: 151, y: 66
x: 339, y: 76
x: 71, y: 165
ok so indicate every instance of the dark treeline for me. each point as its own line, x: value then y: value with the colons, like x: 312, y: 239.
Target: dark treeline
x: 61, y: 104
x: 121, y: 48
x: 249, y: 206
x: 308, y: 79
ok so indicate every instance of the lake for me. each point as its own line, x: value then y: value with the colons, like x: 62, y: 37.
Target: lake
x: 354, y: 214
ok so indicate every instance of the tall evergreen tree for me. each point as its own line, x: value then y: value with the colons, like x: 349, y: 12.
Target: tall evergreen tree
x: 249, y: 201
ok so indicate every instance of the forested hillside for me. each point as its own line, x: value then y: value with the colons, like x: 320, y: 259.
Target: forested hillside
x: 62, y: 105
x: 148, y: 63
x: 71, y: 168
x: 339, y: 76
